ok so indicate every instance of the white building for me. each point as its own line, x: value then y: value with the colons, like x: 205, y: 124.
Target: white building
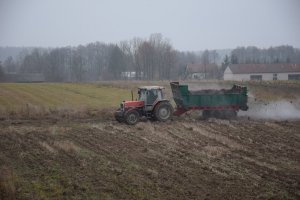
x: 245, y: 72
x: 131, y: 75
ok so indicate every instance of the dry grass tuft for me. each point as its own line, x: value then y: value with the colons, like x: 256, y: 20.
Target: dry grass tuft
x: 215, y: 136
x: 48, y: 147
x: 215, y: 150
x: 148, y: 126
x: 66, y: 146
x: 7, y: 186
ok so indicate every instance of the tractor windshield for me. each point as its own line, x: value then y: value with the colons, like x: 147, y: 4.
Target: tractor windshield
x: 157, y: 94
x: 149, y: 96
x: 142, y: 95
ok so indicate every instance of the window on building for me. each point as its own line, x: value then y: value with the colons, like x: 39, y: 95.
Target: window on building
x: 256, y: 77
x: 294, y: 76
x: 274, y: 76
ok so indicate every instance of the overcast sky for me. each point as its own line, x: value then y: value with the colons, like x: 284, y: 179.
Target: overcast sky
x: 189, y: 24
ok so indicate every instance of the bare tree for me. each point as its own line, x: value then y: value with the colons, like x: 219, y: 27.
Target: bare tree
x: 9, y: 65
x: 2, y: 75
x: 116, y: 63
x: 77, y: 66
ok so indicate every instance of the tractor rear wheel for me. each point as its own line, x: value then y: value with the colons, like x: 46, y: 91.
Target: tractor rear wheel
x: 163, y: 111
x: 131, y: 117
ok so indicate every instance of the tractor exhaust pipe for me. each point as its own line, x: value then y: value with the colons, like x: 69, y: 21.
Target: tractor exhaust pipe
x: 131, y: 95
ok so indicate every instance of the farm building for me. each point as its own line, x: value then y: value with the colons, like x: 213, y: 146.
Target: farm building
x: 245, y: 72
x: 201, y: 71
x: 130, y: 75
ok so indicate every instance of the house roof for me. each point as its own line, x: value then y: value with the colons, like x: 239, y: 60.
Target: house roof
x: 201, y: 68
x: 263, y: 68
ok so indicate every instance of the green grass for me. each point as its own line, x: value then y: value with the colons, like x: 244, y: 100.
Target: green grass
x: 60, y: 95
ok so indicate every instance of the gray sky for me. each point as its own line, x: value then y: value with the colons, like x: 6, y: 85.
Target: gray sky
x: 189, y: 24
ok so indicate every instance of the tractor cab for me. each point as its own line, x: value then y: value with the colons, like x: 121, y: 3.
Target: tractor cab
x: 150, y: 95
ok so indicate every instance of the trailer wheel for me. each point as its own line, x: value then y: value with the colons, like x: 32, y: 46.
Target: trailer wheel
x: 206, y: 114
x: 230, y: 114
x: 163, y: 111
x: 218, y: 114
x: 131, y: 117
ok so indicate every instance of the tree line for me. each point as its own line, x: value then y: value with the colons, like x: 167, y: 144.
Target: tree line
x: 254, y: 55
x: 153, y: 58
x: 150, y: 59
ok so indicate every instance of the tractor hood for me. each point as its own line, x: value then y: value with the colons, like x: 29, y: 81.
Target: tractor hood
x: 128, y: 104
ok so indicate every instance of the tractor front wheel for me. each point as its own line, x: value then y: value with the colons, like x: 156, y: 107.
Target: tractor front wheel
x: 163, y: 111
x: 119, y: 115
x: 131, y: 117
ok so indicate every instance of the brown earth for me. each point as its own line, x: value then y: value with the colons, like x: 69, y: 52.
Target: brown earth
x: 180, y: 159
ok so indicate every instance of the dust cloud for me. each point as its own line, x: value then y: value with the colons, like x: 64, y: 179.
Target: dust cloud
x: 279, y: 110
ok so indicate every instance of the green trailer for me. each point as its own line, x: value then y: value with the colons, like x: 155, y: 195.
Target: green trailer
x: 224, y: 103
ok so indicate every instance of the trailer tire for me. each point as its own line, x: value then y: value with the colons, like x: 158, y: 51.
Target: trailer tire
x: 230, y: 114
x: 131, y: 117
x: 206, y: 114
x: 163, y: 111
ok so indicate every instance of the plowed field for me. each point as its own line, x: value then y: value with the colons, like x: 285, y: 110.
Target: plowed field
x: 180, y: 159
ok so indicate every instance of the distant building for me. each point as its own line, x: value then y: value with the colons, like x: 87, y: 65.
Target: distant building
x: 201, y: 71
x: 245, y: 72
x: 24, y: 78
x: 129, y: 75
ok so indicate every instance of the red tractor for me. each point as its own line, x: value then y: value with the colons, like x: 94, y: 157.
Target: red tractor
x: 150, y: 104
